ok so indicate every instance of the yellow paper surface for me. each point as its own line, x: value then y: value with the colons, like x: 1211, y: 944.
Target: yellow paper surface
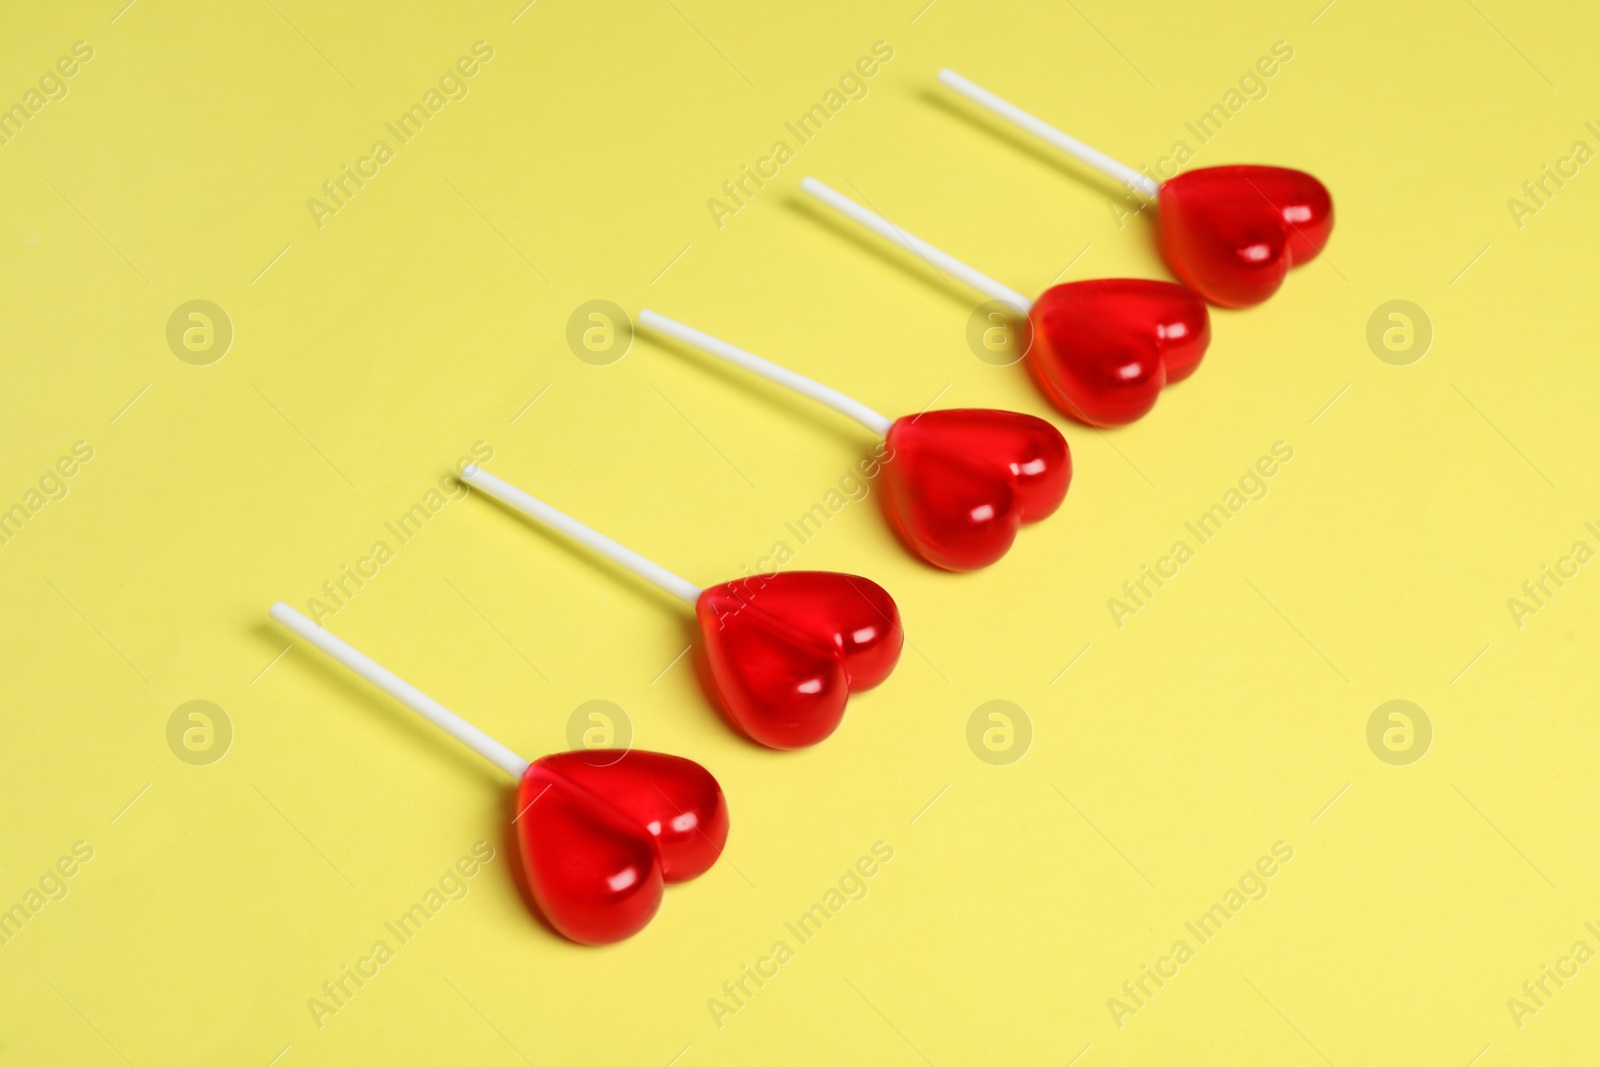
x: 423, y: 310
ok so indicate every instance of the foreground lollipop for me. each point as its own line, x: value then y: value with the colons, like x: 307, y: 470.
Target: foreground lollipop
x: 599, y: 835
x: 785, y: 650
x: 1231, y: 233
x: 1102, y: 350
x: 960, y: 482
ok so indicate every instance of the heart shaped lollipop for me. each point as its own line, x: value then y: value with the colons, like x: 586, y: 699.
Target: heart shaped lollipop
x: 958, y: 483
x: 785, y: 650
x: 1231, y: 233
x: 964, y: 480
x: 1101, y: 350
x: 599, y: 835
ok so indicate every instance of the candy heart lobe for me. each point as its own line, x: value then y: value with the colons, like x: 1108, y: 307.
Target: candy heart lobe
x: 595, y: 874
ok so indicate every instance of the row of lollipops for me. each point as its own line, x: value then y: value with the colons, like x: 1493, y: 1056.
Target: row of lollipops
x: 601, y: 833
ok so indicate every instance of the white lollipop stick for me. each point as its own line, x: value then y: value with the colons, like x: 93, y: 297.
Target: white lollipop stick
x: 538, y: 510
x: 1142, y: 184
x: 890, y: 232
x: 402, y: 690
x: 822, y: 394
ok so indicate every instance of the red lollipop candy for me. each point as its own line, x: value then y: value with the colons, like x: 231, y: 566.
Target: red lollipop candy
x: 1101, y: 350
x: 959, y: 482
x: 599, y: 834
x: 785, y: 650
x: 1231, y: 233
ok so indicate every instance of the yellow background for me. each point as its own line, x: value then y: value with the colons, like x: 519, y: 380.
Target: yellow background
x: 1227, y: 715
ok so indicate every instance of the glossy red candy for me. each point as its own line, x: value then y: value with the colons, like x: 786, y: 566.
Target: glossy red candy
x: 1232, y: 233
x: 600, y: 838
x: 1103, y: 349
x: 786, y: 650
x: 959, y: 483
